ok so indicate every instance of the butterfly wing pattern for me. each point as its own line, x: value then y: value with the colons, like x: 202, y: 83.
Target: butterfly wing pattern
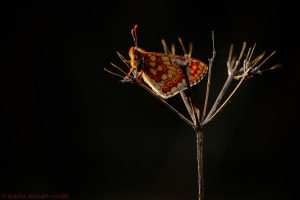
x: 165, y: 77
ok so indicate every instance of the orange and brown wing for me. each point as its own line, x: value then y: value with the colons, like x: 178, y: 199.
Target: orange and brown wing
x: 196, y: 71
x: 166, y: 78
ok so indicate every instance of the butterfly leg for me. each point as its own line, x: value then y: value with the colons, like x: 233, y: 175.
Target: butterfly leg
x: 139, y: 75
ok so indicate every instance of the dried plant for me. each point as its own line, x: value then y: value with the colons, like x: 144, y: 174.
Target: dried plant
x: 240, y: 68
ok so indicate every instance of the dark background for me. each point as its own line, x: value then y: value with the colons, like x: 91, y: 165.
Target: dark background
x: 68, y: 127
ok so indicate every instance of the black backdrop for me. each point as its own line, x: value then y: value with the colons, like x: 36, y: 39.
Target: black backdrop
x: 69, y: 128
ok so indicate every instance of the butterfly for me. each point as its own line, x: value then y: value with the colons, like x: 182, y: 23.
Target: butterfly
x: 165, y: 73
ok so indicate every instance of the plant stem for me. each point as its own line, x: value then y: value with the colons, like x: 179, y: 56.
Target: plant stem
x: 199, y: 145
x: 219, y: 98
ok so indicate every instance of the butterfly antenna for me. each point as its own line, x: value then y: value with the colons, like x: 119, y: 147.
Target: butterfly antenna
x: 134, y: 35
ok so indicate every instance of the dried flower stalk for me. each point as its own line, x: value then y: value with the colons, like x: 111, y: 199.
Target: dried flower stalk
x: 239, y: 69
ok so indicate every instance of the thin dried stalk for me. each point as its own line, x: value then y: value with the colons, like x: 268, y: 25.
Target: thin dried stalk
x: 210, y: 64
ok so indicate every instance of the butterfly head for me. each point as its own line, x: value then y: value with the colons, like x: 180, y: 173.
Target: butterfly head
x: 135, y: 53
